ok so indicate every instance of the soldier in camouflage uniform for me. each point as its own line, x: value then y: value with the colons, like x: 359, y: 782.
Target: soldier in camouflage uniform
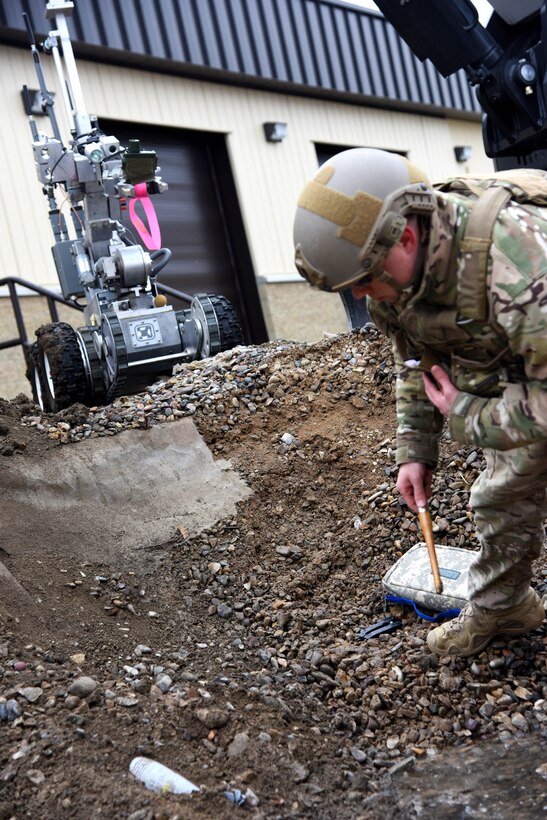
x: 461, y: 289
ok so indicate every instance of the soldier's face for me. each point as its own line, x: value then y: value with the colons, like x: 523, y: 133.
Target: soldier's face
x: 379, y: 291
x: 399, y: 264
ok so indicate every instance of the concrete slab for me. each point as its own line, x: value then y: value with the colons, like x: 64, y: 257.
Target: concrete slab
x: 107, y: 496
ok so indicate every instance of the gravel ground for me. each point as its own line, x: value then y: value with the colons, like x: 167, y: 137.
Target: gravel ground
x: 232, y: 654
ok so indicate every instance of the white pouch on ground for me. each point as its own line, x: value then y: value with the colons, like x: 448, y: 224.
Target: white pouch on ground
x: 411, y: 577
x: 160, y: 778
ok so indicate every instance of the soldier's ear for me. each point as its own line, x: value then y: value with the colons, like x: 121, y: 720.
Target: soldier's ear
x: 410, y: 238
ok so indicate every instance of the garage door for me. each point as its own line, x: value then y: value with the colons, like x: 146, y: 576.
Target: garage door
x: 199, y: 219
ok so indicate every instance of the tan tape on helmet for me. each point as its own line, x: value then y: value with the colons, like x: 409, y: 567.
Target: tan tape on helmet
x: 415, y: 174
x: 355, y: 215
x: 372, y: 222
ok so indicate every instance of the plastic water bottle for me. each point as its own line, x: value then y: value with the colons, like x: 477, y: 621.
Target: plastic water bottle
x: 160, y: 778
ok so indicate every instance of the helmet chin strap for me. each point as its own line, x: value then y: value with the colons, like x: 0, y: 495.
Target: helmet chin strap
x: 417, y: 273
x: 388, y: 279
x: 400, y: 287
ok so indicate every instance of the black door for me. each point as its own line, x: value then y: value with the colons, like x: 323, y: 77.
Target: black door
x: 199, y: 219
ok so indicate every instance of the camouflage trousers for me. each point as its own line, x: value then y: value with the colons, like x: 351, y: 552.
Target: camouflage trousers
x: 509, y: 503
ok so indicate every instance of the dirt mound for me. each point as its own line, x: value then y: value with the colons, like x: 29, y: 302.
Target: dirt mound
x: 15, y: 438
x: 232, y: 654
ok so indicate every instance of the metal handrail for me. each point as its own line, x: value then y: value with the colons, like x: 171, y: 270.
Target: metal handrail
x: 52, y: 298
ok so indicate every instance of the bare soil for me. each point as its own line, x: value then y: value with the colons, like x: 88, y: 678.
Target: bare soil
x: 255, y: 623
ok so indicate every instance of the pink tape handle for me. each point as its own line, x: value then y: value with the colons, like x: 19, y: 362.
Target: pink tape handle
x: 151, y: 236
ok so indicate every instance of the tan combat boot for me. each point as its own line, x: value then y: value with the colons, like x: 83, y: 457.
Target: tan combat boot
x: 476, y: 626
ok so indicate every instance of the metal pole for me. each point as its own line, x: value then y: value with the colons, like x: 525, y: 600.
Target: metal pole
x: 82, y: 120
x: 46, y: 96
x: 19, y: 321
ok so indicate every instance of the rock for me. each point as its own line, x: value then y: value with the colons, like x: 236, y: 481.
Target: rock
x: 82, y: 687
x: 142, y: 649
x: 288, y: 439
x: 523, y: 694
x: 238, y: 745
x: 141, y: 814
x: 78, y: 659
x: 224, y: 610
x: 402, y: 765
x: 520, y: 722
x: 358, y: 754
x: 449, y: 682
x: 486, y: 710
x: 31, y: 693
x: 9, y: 710
x: 141, y: 686
x: 299, y: 773
x: 212, y: 717
x: 128, y: 703
x: 164, y: 683
x: 36, y: 776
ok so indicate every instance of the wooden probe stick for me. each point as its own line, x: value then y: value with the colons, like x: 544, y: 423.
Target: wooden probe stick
x: 427, y: 529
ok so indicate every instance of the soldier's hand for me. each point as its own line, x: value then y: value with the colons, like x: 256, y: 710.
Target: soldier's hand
x: 440, y: 390
x: 414, y: 483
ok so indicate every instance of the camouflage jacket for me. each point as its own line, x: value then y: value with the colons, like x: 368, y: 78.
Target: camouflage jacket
x: 499, y: 366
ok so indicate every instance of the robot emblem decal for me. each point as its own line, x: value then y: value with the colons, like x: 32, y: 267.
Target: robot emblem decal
x: 145, y: 332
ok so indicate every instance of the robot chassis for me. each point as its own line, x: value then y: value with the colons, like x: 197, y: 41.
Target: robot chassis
x: 131, y: 336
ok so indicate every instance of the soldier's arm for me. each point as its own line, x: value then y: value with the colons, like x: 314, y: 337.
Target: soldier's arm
x: 419, y: 423
x: 517, y: 418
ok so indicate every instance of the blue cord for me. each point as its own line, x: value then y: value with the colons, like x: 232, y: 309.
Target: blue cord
x: 441, y: 616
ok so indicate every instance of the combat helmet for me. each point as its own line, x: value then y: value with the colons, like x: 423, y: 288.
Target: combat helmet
x: 352, y: 212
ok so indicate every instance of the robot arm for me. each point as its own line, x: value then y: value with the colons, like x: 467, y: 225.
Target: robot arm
x: 131, y: 334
